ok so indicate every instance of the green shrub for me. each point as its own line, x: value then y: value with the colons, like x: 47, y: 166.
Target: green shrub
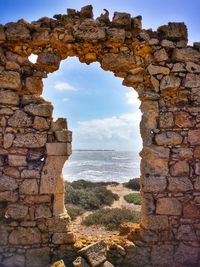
x: 88, y: 195
x: 133, y: 184
x: 134, y: 198
x: 111, y: 218
x: 74, y: 211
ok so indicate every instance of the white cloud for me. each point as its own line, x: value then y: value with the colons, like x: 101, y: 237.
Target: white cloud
x: 65, y: 99
x: 117, y: 132
x: 132, y: 98
x: 63, y: 86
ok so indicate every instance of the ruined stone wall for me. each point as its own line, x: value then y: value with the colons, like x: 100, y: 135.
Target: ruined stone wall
x: 166, y: 74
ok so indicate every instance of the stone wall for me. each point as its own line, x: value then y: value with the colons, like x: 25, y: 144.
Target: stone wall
x: 165, y: 72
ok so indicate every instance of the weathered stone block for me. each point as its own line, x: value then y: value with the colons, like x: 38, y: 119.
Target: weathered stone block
x: 29, y: 187
x: 51, y: 181
x: 8, y: 140
x: 197, y: 183
x: 4, y: 235
x: 58, y: 149
x: 7, y: 183
x: 95, y: 253
x: 168, y: 206
x: 63, y: 238
x: 168, y: 138
x: 80, y: 262
x: 17, y: 161
x: 183, y: 119
x: 10, y: 80
x: 38, y: 256
x: 86, y: 12
x: 41, y: 123
x: 166, y: 120
x: 30, y: 140
x: 174, y: 31
x: 132, y: 80
x: 14, y: 260
x: 116, y: 35
x: 181, y: 184
x: 17, y: 32
x: 9, y: 98
x: 192, y: 80
x: 180, y: 168
x: 19, y: 119
x: 30, y: 174
x: 43, y: 110
x: 154, y: 184
x: 186, y: 255
x: 34, y: 85
x: 155, y: 222
x: 170, y: 82
x: 59, y: 224
x: 49, y: 62
x: 186, y: 54
x: 16, y: 212
x: 191, y: 211
x: 59, y: 125
x: 8, y: 196
x: 186, y: 232
x: 43, y: 211
x: 121, y: 20
x: 194, y: 137
x: 192, y: 67
x: 58, y: 204
x: 64, y: 136
x: 25, y: 236
x: 160, y: 55
x: 154, y: 70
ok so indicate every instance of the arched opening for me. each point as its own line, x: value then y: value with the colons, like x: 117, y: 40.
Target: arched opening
x: 104, y: 117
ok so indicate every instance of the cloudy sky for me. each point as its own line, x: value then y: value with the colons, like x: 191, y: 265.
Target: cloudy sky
x: 101, y: 112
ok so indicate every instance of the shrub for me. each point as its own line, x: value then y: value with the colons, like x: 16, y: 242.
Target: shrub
x: 111, y: 218
x: 133, y: 184
x: 134, y: 198
x: 74, y: 211
x: 88, y: 195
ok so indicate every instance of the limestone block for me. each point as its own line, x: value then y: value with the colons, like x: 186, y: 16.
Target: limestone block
x: 59, y: 125
x: 186, y: 255
x: 95, y: 253
x: 160, y: 55
x: 180, y: 168
x: 162, y: 255
x: 174, y: 31
x: 41, y: 123
x: 154, y: 184
x: 183, y: 119
x: 34, y: 85
x: 168, y: 206
x: 63, y: 238
x: 192, y: 80
x: 38, y: 256
x: 9, y: 98
x: 118, y: 62
x: 178, y: 67
x: 58, y: 149
x: 166, y: 120
x: 8, y: 140
x: 188, y: 54
x: 197, y: 183
x: 182, y: 153
x: 12, y: 171
x: 86, y: 12
x: 17, y: 161
x: 80, y: 262
x: 43, y: 211
x: 4, y: 235
x: 30, y: 140
x: 51, y: 181
x: 29, y: 187
x: 195, y: 95
x: 140, y: 254
x: 58, y: 204
x: 154, y: 70
x: 6, y: 111
x: 14, y: 260
x: 19, y: 119
x: 48, y: 61
x: 25, y: 236
x: 64, y: 136
x: 181, y: 184
x: 155, y: 83
x: 17, y: 32
x: 194, y: 137
x: 7, y: 183
x: 168, y: 138
x: 132, y: 80
x: 116, y: 35
x: 32, y: 99
x: 16, y: 211
x: 43, y: 110
x: 167, y: 44
x: 170, y: 82
x: 8, y: 196
x: 121, y: 20
x: 60, y: 224
x: 30, y: 174
x: 10, y: 80
x: 192, y: 67
x: 148, y: 204
x: 57, y: 264
x: 186, y: 232
x: 37, y: 199
x: 191, y: 211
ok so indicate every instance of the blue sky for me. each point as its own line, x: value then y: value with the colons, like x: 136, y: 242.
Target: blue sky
x: 101, y: 112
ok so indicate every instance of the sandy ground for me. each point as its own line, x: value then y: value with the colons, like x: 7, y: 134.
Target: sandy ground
x: 120, y: 203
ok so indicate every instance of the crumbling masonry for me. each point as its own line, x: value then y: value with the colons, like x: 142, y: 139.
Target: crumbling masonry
x: 165, y: 72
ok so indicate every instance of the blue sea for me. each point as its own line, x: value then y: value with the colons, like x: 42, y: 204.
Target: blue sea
x: 107, y: 166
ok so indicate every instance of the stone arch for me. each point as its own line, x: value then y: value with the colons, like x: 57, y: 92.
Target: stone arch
x: 163, y: 70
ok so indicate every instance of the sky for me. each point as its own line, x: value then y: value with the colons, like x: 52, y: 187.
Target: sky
x: 101, y: 112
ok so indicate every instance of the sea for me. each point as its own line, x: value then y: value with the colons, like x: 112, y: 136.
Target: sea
x: 102, y: 165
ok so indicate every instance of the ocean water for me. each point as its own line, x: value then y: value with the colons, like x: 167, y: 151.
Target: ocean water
x: 107, y: 166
